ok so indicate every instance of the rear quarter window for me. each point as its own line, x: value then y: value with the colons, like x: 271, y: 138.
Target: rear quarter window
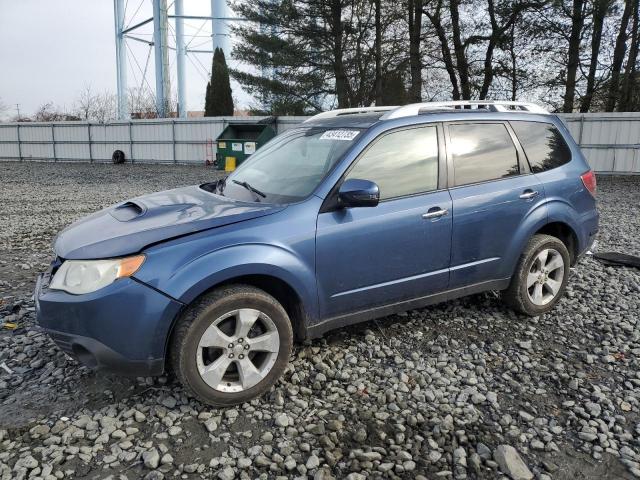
x: 543, y: 145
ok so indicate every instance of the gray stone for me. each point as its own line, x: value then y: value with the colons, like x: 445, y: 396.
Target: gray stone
x: 511, y: 463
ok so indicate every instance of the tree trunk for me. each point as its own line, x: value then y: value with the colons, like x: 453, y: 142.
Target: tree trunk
x: 488, y: 57
x: 628, y: 83
x: 461, y: 59
x: 338, y: 63
x: 378, y: 82
x: 444, y: 46
x: 573, y: 61
x: 600, y: 8
x: 514, y: 70
x: 618, y: 58
x: 415, y: 63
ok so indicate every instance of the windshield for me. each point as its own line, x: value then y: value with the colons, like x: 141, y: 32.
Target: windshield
x: 289, y: 168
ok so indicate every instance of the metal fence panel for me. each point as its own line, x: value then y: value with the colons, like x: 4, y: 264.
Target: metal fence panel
x: 610, y: 141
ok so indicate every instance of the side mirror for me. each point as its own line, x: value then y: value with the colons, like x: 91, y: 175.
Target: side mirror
x: 358, y: 193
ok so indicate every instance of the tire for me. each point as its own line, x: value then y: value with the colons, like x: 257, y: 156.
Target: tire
x: 118, y: 157
x: 224, y: 315
x: 541, y: 296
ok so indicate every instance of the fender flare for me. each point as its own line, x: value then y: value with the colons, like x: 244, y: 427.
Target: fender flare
x: 205, y: 272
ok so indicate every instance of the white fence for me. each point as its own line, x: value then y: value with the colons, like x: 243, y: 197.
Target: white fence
x: 143, y: 141
x: 610, y: 141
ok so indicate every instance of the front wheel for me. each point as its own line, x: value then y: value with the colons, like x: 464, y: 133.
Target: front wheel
x: 231, y: 345
x: 541, y: 276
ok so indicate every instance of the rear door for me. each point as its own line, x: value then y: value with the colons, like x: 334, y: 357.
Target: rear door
x: 400, y: 249
x: 493, y: 191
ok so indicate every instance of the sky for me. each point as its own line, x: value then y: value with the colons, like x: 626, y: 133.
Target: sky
x: 52, y: 49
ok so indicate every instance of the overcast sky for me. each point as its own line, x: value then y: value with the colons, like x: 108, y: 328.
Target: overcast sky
x: 51, y: 49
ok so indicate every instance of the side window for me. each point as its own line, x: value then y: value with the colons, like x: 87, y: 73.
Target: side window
x: 481, y: 152
x: 543, y: 144
x: 401, y: 163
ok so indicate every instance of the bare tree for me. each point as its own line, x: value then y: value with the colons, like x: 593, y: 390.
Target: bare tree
x: 105, y: 107
x: 4, y: 108
x: 618, y: 57
x: 84, y: 104
x: 628, y: 84
x: 99, y: 107
x: 49, y: 112
x: 600, y: 10
x: 414, y: 8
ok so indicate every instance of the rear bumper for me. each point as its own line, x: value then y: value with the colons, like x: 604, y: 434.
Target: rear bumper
x: 122, y: 328
x: 590, y: 225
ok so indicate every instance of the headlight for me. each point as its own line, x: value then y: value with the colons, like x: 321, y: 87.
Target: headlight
x: 85, y: 276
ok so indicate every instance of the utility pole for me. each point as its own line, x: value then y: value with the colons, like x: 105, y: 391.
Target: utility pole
x: 180, y: 59
x: 18, y: 109
x: 163, y: 88
x: 121, y: 60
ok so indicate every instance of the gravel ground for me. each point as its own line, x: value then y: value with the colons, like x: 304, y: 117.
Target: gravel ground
x: 465, y: 389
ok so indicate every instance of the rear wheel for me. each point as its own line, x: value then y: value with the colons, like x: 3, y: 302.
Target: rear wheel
x: 231, y: 345
x: 541, y: 276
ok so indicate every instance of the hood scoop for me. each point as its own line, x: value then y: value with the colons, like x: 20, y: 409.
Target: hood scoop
x: 128, y: 211
x: 129, y: 227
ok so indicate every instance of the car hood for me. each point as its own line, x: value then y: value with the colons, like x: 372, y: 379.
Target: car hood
x: 130, y: 226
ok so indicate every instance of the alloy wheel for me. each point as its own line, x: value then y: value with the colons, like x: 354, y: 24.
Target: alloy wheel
x: 545, y: 276
x: 237, y: 351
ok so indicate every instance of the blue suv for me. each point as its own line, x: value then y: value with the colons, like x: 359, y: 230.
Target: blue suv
x: 352, y: 215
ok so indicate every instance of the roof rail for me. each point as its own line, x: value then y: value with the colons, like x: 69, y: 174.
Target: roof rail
x: 348, y: 111
x: 493, y: 105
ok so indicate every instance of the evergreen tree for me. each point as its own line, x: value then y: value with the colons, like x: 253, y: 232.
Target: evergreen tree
x: 218, y: 100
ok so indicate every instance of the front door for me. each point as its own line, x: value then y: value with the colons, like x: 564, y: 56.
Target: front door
x: 398, y: 250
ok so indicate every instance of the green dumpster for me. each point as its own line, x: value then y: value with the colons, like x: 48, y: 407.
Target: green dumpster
x: 238, y: 141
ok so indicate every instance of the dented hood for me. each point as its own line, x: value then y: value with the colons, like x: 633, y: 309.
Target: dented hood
x: 130, y: 226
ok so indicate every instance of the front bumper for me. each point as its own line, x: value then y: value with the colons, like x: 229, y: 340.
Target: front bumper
x: 122, y: 328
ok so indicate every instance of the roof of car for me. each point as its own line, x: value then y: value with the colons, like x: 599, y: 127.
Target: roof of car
x: 363, y: 120
x: 364, y: 117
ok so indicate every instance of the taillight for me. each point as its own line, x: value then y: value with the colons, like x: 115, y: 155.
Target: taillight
x: 589, y: 180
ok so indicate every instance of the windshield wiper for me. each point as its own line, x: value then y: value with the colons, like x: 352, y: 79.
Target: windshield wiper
x: 250, y: 188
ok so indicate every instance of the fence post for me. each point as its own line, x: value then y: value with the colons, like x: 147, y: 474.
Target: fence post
x: 53, y: 142
x: 581, y: 129
x: 131, y: 140
x: 89, y: 141
x: 19, y: 143
x: 173, y: 140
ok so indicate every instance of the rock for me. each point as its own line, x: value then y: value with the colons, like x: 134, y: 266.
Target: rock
x: 211, y: 425
x: 282, y: 420
x: 151, y: 458
x: 527, y: 417
x: 313, y: 462
x: 227, y: 473
x: 511, y: 463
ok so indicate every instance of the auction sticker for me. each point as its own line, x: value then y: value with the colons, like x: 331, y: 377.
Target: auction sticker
x: 346, y: 135
x: 249, y: 148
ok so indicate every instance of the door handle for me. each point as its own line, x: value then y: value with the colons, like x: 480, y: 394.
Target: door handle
x: 527, y: 194
x: 435, y: 213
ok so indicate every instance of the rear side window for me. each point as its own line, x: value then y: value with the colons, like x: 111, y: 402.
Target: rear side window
x: 481, y: 152
x: 402, y: 163
x: 543, y: 144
